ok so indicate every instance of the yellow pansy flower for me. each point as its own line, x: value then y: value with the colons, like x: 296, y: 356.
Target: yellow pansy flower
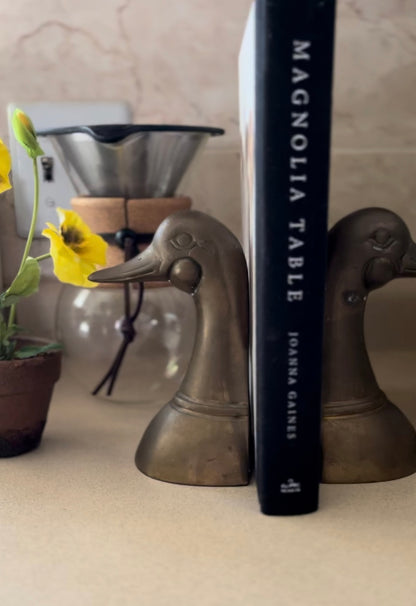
x: 25, y: 133
x: 75, y: 250
x: 5, y: 167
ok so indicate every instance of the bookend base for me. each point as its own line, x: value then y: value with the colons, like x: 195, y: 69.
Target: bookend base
x: 373, y: 445
x: 188, y: 447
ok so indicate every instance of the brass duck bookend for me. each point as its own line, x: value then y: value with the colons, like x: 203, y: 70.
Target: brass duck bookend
x: 365, y: 438
x: 201, y: 436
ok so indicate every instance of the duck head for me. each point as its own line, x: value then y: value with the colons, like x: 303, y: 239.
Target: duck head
x: 183, y: 244
x: 370, y: 247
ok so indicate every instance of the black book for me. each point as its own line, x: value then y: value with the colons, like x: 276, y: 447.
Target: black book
x: 286, y: 65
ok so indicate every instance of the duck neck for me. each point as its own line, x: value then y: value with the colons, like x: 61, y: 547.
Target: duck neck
x: 347, y: 373
x: 218, y: 371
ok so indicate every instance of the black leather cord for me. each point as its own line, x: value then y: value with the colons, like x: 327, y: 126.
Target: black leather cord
x: 128, y: 240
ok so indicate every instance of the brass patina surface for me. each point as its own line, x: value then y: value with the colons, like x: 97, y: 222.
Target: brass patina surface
x: 201, y: 436
x: 365, y: 437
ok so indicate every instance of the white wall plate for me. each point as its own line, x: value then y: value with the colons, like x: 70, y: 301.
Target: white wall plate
x: 60, y: 190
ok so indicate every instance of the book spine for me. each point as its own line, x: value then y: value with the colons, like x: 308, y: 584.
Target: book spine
x: 294, y: 55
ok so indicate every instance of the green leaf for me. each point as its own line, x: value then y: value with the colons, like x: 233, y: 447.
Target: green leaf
x: 25, y: 283
x: 30, y: 351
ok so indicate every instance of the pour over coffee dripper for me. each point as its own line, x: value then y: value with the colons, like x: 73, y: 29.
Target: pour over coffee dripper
x: 128, y: 160
x: 126, y: 178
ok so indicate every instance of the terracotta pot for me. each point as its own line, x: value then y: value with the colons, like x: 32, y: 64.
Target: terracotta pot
x: 26, y: 388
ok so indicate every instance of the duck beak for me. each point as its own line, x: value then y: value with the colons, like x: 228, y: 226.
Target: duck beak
x: 145, y: 267
x: 408, y: 268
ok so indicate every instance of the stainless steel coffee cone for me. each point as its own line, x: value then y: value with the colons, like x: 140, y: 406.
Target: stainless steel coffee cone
x: 128, y: 161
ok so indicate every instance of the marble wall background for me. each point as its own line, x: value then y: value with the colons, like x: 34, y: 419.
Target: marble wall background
x: 177, y: 62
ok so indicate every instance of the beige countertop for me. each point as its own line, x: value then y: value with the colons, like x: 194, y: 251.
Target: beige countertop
x: 80, y: 525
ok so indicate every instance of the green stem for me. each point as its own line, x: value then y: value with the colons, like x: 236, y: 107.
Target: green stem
x: 12, y: 314
x: 31, y: 231
x: 43, y: 257
x: 34, y: 215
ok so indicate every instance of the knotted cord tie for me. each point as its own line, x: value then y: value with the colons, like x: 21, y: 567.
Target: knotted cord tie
x: 128, y: 240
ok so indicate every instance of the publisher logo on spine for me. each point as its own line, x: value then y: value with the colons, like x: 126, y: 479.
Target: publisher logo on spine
x: 291, y: 486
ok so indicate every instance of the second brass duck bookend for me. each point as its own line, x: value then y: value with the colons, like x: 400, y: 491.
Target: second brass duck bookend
x: 365, y: 437
x: 201, y: 436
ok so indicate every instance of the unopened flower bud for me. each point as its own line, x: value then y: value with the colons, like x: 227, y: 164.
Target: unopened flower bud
x: 25, y: 133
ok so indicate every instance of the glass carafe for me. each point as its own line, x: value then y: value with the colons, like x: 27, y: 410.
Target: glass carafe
x: 89, y: 325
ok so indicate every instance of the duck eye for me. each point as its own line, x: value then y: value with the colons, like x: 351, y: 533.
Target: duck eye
x: 381, y: 239
x: 381, y: 236
x: 183, y: 241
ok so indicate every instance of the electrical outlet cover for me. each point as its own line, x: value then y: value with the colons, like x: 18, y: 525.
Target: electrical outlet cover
x: 60, y: 190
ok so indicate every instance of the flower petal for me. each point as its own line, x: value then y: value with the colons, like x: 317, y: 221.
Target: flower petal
x: 5, y: 167
x: 94, y: 250
x: 75, y: 261
x: 91, y: 247
x: 69, y: 219
x: 67, y: 266
x: 52, y: 226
